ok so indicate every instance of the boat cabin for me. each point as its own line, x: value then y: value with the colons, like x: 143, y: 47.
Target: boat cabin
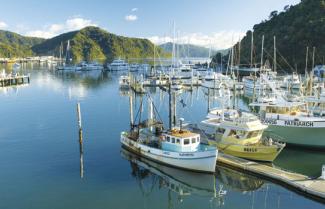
x: 180, y: 141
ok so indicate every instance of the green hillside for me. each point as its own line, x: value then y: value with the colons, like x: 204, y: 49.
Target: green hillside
x: 295, y: 28
x: 93, y: 43
x: 15, y: 45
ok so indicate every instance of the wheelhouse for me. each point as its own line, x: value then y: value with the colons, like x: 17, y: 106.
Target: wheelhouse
x: 181, y: 141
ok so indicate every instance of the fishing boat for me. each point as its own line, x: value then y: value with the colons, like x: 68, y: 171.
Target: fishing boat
x: 240, y: 134
x: 293, y: 122
x: 176, y: 147
x: 124, y: 82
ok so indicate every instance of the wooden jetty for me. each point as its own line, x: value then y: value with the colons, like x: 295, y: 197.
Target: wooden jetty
x: 313, y: 188
x: 11, y: 80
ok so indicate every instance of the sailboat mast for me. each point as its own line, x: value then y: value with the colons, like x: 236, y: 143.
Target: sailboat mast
x: 306, y: 67
x: 274, y: 55
x: 252, y: 46
x: 170, y: 106
x: 262, y: 52
x: 173, y: 51
x: 131, y: 109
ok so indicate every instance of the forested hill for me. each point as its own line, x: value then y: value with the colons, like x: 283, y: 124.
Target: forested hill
x: 295, y: 28
x: 15, y: 45
x: 93, y: 43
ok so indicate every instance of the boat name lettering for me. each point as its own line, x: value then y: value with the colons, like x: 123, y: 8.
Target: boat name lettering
x: 299, y: 123
x: 186, y: 154
x: 250, y: 149
x: 270, y: 122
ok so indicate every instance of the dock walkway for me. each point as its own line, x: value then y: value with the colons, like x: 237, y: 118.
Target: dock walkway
x: 11, y: 80
x: 314, y: 188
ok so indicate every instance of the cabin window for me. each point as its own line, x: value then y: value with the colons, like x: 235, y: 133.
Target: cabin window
x: 253, y: 134
x: 173, y: 140
x: 241, y: 134
x: 168, y: 139
x: 186, y: 141
x: 193, y: 140
x: 232, y: 133
x: 178, y: 141
x: 198, y: 139
x: 221, y: 130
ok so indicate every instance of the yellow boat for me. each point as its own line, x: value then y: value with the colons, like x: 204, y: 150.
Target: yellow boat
x: 240, y: 134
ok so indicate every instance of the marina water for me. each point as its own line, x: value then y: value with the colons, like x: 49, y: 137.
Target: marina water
x: 42, y: 167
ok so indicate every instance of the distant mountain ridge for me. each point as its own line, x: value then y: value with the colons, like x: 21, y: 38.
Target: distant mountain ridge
x: 90, y: 43
x: 188, y: 50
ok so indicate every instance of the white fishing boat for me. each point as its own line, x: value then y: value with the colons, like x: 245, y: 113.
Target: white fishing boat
x: 124, y: 82
x: 118, y: 65
x: 176, y: 147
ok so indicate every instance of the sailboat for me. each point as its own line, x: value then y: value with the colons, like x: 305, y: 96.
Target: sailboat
x: 176, y: 147
x: 68, y: 66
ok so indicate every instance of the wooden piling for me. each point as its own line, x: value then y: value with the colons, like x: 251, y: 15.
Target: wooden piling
x: 79, y: 116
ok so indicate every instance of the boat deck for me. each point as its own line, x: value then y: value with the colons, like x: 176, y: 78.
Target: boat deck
x: 313, y: 188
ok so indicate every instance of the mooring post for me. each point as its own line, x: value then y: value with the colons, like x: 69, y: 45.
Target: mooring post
x: 80, y: 141
x: 79, y: 116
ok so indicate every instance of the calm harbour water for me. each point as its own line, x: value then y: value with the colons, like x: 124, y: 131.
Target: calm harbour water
x: 40, y: 158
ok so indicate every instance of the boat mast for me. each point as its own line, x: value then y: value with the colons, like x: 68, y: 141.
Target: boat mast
x: 131, y: 110
x: 67, y: 55
x: 173, y: 51
x: 172, y: 108
x: 306, y: 66
x: 252, y: 46
x: 274, y: 56
x: 262, y: 52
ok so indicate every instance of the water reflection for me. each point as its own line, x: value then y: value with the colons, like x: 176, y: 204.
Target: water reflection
x: 185, y: 184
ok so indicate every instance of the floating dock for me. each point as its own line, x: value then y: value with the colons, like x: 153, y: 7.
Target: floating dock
x: 14, y: 80
x: 313, y: 188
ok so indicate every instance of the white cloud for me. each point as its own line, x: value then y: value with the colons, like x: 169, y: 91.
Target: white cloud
x: 134, y: 9
x: 217, y: 40
x: 3, y: 25
x: 131, y: 17
x: 70, y: 24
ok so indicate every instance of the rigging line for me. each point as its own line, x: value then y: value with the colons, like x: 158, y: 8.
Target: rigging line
x: 154, y: 107
x: 272, y: 59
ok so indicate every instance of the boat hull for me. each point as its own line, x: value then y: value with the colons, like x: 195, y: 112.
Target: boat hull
x: 299, y: 136
x: 252, y: 152
x: 193, y: 161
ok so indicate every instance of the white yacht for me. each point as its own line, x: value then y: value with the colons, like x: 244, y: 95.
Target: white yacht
x: 91, y: 66
x: 118, y: 65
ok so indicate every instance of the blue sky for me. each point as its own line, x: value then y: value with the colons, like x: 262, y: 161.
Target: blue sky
x: 198, y: 21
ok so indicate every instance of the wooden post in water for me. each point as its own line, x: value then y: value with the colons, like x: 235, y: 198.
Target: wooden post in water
x: 79, y: 116
x: 80, y: 140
